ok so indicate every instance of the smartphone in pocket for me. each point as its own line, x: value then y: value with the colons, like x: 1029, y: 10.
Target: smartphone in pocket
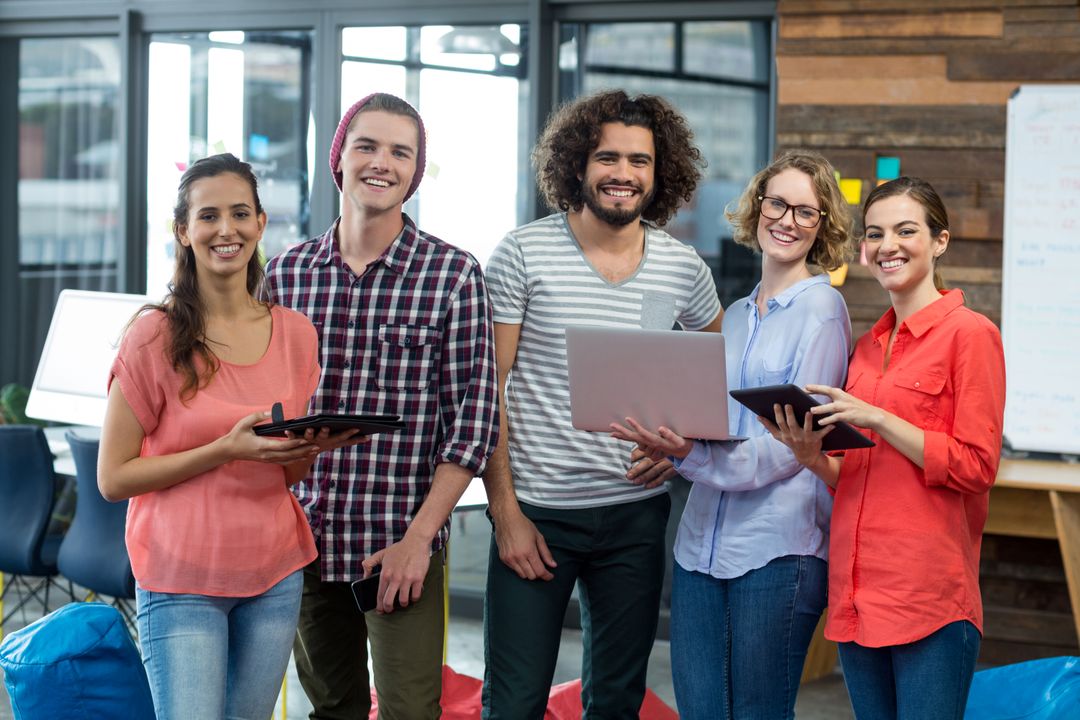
x: 366, y: 592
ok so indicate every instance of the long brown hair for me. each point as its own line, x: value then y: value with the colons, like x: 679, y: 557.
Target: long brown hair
x: 184, y: 309
x: 922, y: 192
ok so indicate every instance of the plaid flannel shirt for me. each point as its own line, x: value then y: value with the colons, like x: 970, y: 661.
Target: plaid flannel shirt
x: 410, y: 337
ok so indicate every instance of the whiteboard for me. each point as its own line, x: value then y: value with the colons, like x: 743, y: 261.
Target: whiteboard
x: 1040, y: 293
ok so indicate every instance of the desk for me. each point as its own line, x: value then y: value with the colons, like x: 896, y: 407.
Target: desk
x: 1041, y: 499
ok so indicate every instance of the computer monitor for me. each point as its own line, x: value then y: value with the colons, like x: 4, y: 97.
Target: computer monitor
x: 73, y: 371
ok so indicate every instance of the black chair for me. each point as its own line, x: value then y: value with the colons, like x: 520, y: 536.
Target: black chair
x: 27, y: 494
x: 93, y: 554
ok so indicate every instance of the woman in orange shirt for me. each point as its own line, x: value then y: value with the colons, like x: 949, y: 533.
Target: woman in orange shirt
x: 217, y: 541
x: 928, y: 383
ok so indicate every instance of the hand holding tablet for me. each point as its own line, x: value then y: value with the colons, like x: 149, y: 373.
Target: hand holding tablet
x: 762, y: 399
x: 365, y: 424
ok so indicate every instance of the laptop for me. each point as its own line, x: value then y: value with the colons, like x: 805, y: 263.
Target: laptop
x: 658, y: 377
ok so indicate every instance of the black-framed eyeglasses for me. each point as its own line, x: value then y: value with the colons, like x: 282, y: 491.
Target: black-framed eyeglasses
x: 805, y: 216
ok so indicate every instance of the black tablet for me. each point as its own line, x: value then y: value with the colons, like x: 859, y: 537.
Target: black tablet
x: 762, y: 399
x: 366, y: 424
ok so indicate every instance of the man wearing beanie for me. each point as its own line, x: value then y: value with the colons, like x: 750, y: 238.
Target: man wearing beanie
x: 566, y: 506
x: 404, y: 330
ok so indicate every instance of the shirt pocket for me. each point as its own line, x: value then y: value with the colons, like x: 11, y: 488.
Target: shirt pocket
x: 408, y: 356
x: 774, y: 375
x: 919, y: 396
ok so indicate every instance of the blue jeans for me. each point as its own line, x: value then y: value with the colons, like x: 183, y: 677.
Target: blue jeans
x: 928, y: 679
x: 738, y: 645
x: 216, y: 657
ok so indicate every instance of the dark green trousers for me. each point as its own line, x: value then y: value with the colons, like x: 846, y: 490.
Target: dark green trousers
x: 615, y: 555
x: 406, y: 651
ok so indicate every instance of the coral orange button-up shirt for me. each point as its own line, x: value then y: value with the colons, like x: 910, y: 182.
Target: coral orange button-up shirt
x: 904, y: 553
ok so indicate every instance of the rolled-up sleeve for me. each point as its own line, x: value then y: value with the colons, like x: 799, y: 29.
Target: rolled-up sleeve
x: 468, y: 397
x: 967, y: 458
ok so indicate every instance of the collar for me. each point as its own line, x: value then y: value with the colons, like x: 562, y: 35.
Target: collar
x: 921, y: 322
x: 397, y: 257
x: 788, y: 296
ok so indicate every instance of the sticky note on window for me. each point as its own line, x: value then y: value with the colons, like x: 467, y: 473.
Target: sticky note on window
x: 888, y: 167
x: 852, y: 190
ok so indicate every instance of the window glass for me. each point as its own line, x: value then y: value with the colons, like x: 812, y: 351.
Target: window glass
x: 468, y: 87
x: 69, y: 157
x: 726, y: 50
x: 640, y: 46
x: 379, y: 43
x: 243, y: 93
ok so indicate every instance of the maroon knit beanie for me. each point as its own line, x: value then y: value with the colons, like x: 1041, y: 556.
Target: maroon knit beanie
x: 343, y: 128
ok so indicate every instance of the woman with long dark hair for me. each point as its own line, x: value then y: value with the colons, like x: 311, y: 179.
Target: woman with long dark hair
x: 217, y: 541
x: 928, y: 384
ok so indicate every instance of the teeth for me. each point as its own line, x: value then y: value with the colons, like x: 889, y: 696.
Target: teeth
x: 227, y: 249
x: 782, y: 238
x: 376, y: 182
x: 618, y: 193
x: 890, y: 264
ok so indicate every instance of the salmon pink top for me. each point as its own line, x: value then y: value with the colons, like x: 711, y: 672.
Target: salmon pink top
x: 904, y: 551
x: 235, y: 530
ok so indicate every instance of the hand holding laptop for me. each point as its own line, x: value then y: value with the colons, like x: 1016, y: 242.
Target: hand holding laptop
x: 656, y: 445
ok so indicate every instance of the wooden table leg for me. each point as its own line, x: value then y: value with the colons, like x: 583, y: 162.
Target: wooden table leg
x: 1067, y: 516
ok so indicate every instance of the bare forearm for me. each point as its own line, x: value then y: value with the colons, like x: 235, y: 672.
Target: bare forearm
x: 146, y: 474
x: 827, y: 468
x: 447, y: 486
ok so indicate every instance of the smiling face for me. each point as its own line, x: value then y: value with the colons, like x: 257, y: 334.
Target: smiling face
x: 900, y: 246
x: 223, y: 228
x: 784, y: 242
x: 378, y: 161
x: 618, y: 183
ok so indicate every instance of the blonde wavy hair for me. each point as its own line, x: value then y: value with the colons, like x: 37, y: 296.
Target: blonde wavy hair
x: 834, y: 244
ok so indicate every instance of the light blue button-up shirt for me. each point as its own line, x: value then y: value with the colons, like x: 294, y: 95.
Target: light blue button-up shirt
x: 751, y: 502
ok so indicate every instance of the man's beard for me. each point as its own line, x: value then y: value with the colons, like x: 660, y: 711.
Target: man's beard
x: 614, y: 216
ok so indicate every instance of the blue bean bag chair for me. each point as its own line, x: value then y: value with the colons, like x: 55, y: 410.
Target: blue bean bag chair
x: 1037, y: 690
x: 77, y: 663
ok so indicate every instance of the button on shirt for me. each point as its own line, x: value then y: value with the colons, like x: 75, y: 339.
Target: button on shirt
x: 906, y: 540
x: 751, y: 502
x: 411, y: 336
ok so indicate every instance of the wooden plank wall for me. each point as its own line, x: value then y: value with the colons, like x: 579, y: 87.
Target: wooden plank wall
x: 928, y: 81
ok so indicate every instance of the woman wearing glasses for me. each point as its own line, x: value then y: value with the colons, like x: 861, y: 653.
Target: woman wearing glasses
x: 904, y: 600
x: 750, y: 571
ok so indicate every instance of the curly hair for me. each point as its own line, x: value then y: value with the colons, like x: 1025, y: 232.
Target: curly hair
x: 573, y: 132
x: 834, y: 244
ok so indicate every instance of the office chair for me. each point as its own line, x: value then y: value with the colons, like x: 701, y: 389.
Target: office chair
x: 93, y: 554
x: 27, y: 493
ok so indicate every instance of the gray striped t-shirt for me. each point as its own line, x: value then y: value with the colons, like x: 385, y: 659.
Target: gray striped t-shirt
x: 539, y: 278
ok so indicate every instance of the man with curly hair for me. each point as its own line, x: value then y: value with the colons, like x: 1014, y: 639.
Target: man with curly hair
x: 566, y: 505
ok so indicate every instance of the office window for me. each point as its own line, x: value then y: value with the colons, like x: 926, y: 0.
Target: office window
x: 468, y: 84
x: 717, y: 74
x: 68, y: 179
x: 244, y: 93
